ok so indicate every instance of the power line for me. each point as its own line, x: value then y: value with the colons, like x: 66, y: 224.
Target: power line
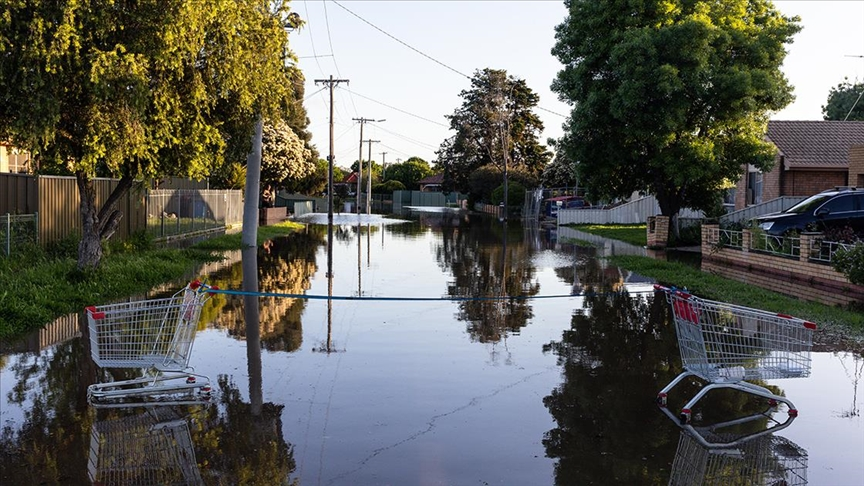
x: 550, y: 111
x: 409, y: 139
x: 399, y: 109
x: 333, y: 52
x: 400, y: 41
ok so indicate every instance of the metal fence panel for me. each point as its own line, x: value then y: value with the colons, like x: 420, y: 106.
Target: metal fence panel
x: 183, y: 211
x: 633, y: 212
x: 775, y: 205
x: 18, y: 194
x: 18, y: 231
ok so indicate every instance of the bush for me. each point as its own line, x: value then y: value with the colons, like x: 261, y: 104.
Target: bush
x: 850, y: 263
x: 515, y: 194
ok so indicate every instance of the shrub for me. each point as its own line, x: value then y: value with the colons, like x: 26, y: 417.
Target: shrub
x: 850, y: 262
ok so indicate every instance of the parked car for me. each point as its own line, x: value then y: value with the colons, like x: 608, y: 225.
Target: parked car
x: 553, y: 204
x: 834, y: 208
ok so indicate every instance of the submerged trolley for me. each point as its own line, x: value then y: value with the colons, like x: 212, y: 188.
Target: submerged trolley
x: 725, y: 344
x: 767, y: 459
x: 150, y: 449
x: 155, y: 335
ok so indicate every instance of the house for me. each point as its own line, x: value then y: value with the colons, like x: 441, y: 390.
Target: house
x: 812, y: 156
x: 14, y: 160
x: 432, y: 183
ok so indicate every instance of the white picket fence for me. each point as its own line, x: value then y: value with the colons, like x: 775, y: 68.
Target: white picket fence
x: 633, y: 212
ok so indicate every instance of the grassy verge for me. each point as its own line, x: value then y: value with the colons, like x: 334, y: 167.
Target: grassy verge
x: 635, y: 234
x: 39, y: 286
x: 714, y: 287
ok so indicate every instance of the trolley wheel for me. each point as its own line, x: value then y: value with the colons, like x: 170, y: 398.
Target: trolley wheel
x: 190, y: 380
x: 793, y: 412
x: 684, y: 416
x: 206, y: 389
x: 661, y: 400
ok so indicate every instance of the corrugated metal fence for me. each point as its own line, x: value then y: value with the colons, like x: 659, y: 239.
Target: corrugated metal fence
x: 772, y: 206
x: 633, y: 212
x: 56, y: 200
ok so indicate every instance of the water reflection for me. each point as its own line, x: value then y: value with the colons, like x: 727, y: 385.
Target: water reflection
x: 152, y: 448
x: 768, y: 460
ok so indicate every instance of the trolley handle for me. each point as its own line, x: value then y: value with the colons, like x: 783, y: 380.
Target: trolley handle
x: 200, y: 286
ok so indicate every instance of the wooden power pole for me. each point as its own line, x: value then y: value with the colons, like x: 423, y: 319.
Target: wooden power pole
x: 369, y: 178
x: 332, y: 83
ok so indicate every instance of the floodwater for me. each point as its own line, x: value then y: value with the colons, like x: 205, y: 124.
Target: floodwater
x: 554, y: 389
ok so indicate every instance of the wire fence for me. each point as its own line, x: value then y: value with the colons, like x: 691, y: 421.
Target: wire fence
x: 18, y: 231
x: 187, y: 211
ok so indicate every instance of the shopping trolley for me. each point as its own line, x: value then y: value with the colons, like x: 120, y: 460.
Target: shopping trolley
x: 726, y: 344
x: 767, y: 459
x: 155, y: 335
x: 153, y: 448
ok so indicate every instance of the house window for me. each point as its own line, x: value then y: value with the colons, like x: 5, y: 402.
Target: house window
x: 754, y: 187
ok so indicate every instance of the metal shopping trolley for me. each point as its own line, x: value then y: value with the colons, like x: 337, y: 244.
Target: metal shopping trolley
x: 766, y: 459
x: 155, y: 335
x: 726, y: 344
x: 153, y: 448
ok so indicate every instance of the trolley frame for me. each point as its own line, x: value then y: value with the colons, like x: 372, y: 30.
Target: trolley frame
x: 725, y: 344
x: 156, y: 335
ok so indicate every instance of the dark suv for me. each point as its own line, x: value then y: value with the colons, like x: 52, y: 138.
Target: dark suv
x: 834, y: 208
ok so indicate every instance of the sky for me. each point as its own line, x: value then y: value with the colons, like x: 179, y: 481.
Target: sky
x: 407, y: 61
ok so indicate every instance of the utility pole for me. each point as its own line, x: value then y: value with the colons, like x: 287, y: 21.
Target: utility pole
x: 383, y: 165
x: 332, y: 83
x: 369, y: 178
x: 362, y: 120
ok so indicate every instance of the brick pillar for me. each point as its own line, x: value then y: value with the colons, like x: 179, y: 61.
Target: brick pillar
x: 658, y: 231
x: 745, y: 240
x: 708, y: 240
x: 806, y: 241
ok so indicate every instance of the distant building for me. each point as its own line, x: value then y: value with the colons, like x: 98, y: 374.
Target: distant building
x: 432, y: 183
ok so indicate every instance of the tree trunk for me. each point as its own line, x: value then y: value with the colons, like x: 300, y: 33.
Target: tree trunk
x: 670, y: 205
x: 96, y: 226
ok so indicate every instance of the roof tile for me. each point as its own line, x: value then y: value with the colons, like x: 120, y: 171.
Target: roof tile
x: 815, y: 143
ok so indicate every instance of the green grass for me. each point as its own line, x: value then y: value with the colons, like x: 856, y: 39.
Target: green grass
x: 714, y: 287
x: 635, y: 234
x: 39, y: 286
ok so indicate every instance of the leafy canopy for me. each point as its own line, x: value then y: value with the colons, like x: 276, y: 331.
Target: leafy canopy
x: 409, y: 173
x: 494, y: 123
x: 845, y: 99
x: 670, y: 97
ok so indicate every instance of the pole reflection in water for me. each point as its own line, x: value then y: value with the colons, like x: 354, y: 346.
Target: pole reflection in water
x: 764, y: 460
x: 253, y: 328
x: 152, y: 448
x: 328, y: 346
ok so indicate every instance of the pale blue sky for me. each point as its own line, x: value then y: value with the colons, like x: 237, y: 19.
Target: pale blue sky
x: 514, y: 35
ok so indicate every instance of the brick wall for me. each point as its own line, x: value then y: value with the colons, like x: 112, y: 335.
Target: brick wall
x: 856, y: 166
x: 771, y: 181
x: 741, y: 190
x: 807, y: 183
x: 796, y: 277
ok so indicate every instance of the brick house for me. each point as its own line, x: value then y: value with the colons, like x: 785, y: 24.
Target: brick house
x: 811, y: 156
x: 431, y: 183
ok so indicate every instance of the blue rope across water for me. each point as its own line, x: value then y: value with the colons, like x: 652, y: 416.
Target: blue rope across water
x: 404, y: 299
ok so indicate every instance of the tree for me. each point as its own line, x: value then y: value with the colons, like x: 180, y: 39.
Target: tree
x: 285, y: 156
x: 494, y: 122
x: 409, y: 173
x: 670, y: 98
x: 845, y: 99
x: 139, y: 89
x: 561, y: 172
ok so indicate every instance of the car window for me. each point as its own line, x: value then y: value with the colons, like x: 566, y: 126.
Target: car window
x: 808, y: 204
x: 841, y: 204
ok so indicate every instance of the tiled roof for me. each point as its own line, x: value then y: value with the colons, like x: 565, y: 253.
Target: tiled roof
x: 351, y: 179
x: 814, y: 144
x: 433, y: 179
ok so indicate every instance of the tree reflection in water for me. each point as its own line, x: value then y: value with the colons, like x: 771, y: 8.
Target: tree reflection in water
x: 286, y: 265
x: 488, y: 259
x: 618, y: 353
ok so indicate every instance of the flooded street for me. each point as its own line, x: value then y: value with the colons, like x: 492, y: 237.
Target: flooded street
x: 461, y: 388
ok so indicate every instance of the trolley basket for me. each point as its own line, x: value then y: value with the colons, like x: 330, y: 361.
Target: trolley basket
x: 726, y: 344
x: 155, y: 335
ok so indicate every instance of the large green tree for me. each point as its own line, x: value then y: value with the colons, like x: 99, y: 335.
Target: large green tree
x: 409, y: 173
x: 670, y: 97
x: 137, y: 89
x: 495, y: 123
x: 845, y: 102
